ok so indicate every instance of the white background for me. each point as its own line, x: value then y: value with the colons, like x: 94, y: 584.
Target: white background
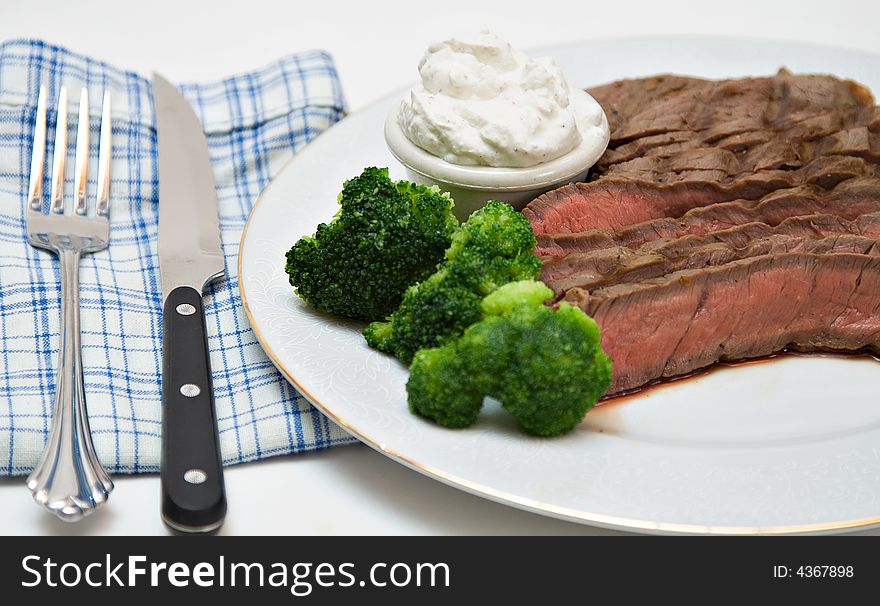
x: 377, y: 45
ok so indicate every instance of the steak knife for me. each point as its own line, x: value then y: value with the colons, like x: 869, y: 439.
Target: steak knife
x: 190, y: 257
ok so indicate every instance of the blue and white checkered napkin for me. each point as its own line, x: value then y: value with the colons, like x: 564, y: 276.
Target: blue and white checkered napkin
x: 254, y: 123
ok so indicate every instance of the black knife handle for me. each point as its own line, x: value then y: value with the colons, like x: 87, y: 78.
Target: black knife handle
x: 193, y: 494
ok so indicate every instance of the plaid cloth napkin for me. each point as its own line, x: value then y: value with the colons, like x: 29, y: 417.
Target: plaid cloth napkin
x: 254, y: 123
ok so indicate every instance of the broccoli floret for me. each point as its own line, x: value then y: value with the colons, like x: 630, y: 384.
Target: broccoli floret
x: 496, y: 245
x: 379, y: 336
x: 493, y: 247
x: 526, y: 293
x: 557, y: 370
x: 431, y: 312
x: 435, y: 391
x: 545, y: 366
x: 386, y: 236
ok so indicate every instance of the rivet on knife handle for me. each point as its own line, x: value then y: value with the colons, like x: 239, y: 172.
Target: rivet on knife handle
x: 193, y: 497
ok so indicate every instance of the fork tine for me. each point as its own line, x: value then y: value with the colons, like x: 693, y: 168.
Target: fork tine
x: 105, y: 154
x: 81, y: 174
x: 35, y: 186
x: 60, y: 155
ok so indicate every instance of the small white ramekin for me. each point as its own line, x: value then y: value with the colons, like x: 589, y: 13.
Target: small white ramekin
x: 472, y: 186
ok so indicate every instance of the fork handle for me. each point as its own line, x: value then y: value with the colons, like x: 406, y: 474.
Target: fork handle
x: 69, y: 481
x: 193, y: 496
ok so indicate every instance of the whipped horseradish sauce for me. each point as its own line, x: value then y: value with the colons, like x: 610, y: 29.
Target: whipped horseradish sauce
x: 482, y: 102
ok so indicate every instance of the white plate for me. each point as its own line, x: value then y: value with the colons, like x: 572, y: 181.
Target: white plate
x: 790, y: 445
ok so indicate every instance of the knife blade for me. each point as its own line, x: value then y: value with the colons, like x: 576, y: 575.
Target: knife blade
x: 190, y: 257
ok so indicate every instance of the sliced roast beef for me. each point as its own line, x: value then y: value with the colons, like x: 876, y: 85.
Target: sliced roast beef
x: 727, y: 163
x: 753, y: 307
x: 624, y: 265
x: 615, y: 203
x: 731, y: 106
x: 833, y: 132
x: 817, y: 226
x: 806, y: 134
x: 848, y: 200
x: 727, y: 220
x: 650, y: 106
x: 678, y: 144
x: 625, y: 98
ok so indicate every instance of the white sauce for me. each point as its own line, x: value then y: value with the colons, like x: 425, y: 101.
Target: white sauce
x: 481, y: 102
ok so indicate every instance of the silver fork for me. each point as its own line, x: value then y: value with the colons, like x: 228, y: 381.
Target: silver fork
x: 69, y: 481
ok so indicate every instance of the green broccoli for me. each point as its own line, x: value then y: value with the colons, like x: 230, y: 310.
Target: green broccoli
x: 493, y: 247
x: 386, y: 236
x: 437, y: 387
x: 545, y: 366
